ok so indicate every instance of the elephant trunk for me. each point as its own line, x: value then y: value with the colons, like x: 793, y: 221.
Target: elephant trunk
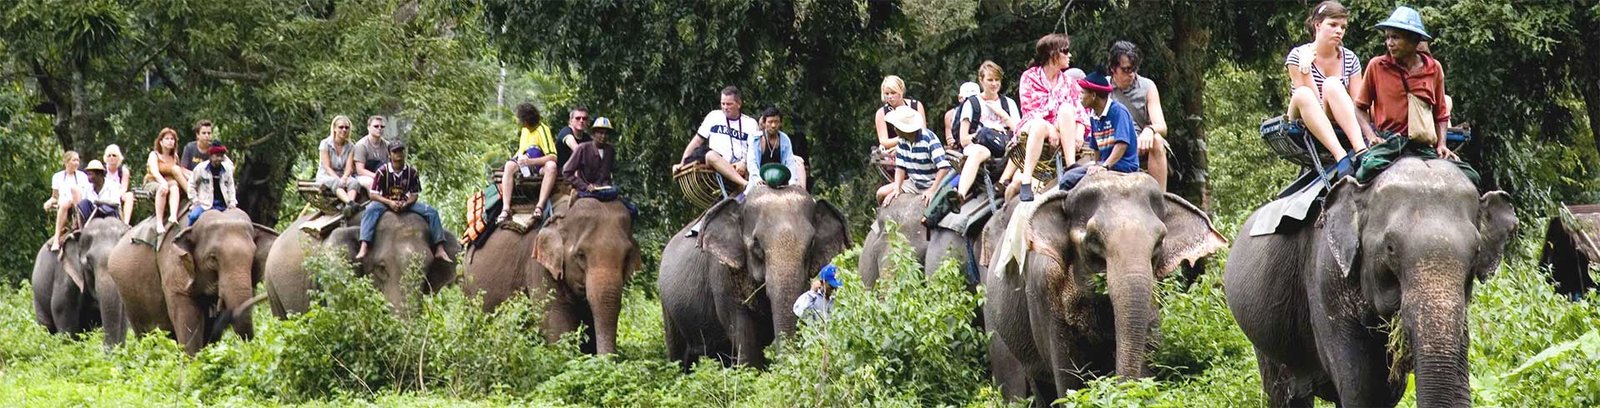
x: 1131, y: 286
x: 235, y: 287
x: 1434, y: 319
x: 785, y: 282
x: 603, y: 291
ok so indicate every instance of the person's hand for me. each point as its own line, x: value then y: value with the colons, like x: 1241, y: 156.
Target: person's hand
x: 1373, y: 139
x: 999, y: 111
x: 677, y: 166
x: 49, y: 203
x: 1308, y: 57
x: 890, y: 198
x: 927, y: 196
x: 1147, y: 138
x: 1445, y: 153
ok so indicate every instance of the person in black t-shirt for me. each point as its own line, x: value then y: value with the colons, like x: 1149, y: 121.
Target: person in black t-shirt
x: 196, y: 152
x: 568, y: 138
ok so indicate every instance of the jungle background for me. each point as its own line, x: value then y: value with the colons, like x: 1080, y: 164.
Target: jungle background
x: 82, y: 74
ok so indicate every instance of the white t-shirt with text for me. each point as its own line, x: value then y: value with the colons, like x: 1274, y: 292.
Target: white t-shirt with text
x: 728, y: 137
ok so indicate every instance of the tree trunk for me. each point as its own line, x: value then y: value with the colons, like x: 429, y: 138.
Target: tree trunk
x: 1190, y: 42
x: 1588, y: 77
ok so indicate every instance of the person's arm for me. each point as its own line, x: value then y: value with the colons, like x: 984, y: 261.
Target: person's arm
x: 1116, y: 155
x: 885, y: 140
x: 571, y: 140
x: 1158, y: 118
x: 1364, y: 92
x: 325, y: 161
x: 194, y: 187
x: 949, y: 133
x: 1301, y: 77
x: 1441, y: 116
x: 573, y: 172
x: 153, y: 167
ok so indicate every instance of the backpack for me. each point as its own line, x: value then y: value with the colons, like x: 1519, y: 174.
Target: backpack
x: 974, y: 106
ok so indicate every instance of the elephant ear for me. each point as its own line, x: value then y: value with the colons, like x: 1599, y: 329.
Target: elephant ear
x: 1190, y: 236
x: 264, y: 238
x: 1497, y: 222
x: 829, y: 235
x: 723, y: 235
x: 71, y: 259
x: 548, y: 250
x: 1044, y: 225
x: 348, y: 238
x: 1341, y: 223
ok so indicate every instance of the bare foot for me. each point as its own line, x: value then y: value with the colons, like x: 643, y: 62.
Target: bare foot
x: 538, y: 211
x: 440, y: 254
x: 361, y: 253
x: 161, y: 228
x: 55, y: 243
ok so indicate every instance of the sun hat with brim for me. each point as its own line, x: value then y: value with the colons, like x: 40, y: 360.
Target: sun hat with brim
x: 905, y: 119
x: 969, y: 89
x: 1096, y: 81
x: 1407, y: 19
x: 775, y: 175
x: 94, y: 165
x: 830, y: 275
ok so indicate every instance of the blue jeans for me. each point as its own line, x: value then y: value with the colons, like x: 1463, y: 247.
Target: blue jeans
x: 375, y: 210
x: 194, y: 214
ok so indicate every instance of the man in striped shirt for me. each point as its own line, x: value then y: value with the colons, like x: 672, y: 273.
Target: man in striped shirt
x: 919, y: 158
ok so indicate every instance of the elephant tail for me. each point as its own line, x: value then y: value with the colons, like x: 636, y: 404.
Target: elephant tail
x: 226, y: 317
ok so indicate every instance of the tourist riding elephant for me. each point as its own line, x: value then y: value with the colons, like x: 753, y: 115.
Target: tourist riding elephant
x: 1071, y: 283
x: 204, y: 275
x: 728, y: 292
x: 1319, y: 302
x: 906, y: 211
x: 581, y: 260
x: 402, y: 238
x: 72, y: 292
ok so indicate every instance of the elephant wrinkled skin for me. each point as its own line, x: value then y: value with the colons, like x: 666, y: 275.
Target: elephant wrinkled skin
x: 72, y: 290
x: 906, y: 212
x: 1314, y: 301
x: 1051, y: 313
x: 581, y: 261
x: 727, y: 293
x: 402, y: 238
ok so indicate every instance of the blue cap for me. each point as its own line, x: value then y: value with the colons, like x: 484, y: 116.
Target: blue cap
x: 830, y: 276
x: 1408, y: 19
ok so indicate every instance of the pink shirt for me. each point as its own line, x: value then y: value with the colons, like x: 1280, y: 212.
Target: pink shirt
x: 1041, y: 98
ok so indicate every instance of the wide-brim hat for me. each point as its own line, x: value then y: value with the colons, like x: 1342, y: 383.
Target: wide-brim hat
x: 95, y: 165
x: 905, y: 119
x: 1408, y: 19
x: 775, y: 174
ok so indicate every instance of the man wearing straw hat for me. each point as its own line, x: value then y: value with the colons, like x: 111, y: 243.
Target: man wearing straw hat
x: 919, y: 158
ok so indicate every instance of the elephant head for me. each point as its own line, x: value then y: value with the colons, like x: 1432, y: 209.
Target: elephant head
x: 92, y: 250
x: 1413, y: 241
x: 224, y: 255
x: 777, y: 239
x: 1122, y: 226
x: 401, y: 242
x: 589, y: 249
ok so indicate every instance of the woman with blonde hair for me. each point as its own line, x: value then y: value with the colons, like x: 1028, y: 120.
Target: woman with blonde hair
x: 67, y: 187
x: 165, y: 178
x: 988, y: 121
x: 893, y: 93
x: 333, y: 161
x: 117, y: 181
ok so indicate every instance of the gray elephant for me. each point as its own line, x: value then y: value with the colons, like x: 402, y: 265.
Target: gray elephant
x: 402, y: 238
x: 203, y: 276
x: 1082, y: 300
x: 72, y: 292
x: 581, y: 260
x: 728, y: 293
x: 1317, y: 302
x: 906, y: 211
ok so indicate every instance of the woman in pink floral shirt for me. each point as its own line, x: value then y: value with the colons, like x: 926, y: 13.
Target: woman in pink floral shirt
x: 1051, y: 107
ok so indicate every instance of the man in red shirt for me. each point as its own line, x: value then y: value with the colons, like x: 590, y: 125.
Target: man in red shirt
x: 1384, y: 101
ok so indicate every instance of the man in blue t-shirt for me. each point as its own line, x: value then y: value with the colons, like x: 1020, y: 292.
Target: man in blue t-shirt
x: 1111, y: 131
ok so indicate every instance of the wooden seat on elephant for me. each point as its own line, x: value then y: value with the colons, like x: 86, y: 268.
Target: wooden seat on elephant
x: 700, y: 185
x: 317, y: 197
x: 526, y: 189
x: 1045, y: 168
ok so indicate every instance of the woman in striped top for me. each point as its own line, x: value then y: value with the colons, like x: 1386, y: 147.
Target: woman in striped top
x: 1324, y: 73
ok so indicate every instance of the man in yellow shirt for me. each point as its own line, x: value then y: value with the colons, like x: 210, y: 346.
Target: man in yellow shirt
x: 536, y: 149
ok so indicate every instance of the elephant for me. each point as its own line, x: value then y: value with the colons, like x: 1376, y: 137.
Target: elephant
x: 201, y: 278
x: 401, y: 239
x: 1050, y: 312
x: 906, y: 211
x: 581, y: 260
x: 72, y: 292
x: 727, y: 293
x: 1318, y: 302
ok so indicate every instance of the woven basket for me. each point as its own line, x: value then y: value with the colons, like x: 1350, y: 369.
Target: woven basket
x: 699, y: 184
x: 883, y: 159
x: 1045, y: 169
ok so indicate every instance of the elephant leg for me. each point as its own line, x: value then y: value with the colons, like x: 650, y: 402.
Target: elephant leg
x: 112, y: 315
x: 1277, y: 382
x: 188, y: 324
x: 560, y: 318
x: 1044, y: 392
x: 747, y: 340
x: 1007, y: 370
x: 675, y: 347
x: 1361, y: 375
x: 65, y: 309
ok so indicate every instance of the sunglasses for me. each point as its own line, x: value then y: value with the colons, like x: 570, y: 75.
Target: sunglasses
x: 1127, y: 69
x: 345, y: 127
x: 581, y: 118
x: 377, y: 126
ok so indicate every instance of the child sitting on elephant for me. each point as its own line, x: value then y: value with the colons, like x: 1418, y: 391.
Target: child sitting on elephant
x: 397, y: 187
x: 212, y: 184
x: 1111, y: 131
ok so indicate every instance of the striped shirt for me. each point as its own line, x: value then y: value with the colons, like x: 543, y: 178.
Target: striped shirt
x: 1349, y: 66
x: 921, y: 159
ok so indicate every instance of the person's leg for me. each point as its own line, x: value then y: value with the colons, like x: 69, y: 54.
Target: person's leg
x: 1039, y: 133
x: 977, y: 154
x: 798, y: 168
x: 1156, y: 158
x: 162, y: 202
x: 1343, y: 111
x: 126, y: 211
x: 369, y: 225
x: 1305, y: 106
x: 728, y: 172
x: 549, y: 183
x: 62, y: 206
x: 883, y: 192
x: 435, y: 229
x: 508, y: 180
